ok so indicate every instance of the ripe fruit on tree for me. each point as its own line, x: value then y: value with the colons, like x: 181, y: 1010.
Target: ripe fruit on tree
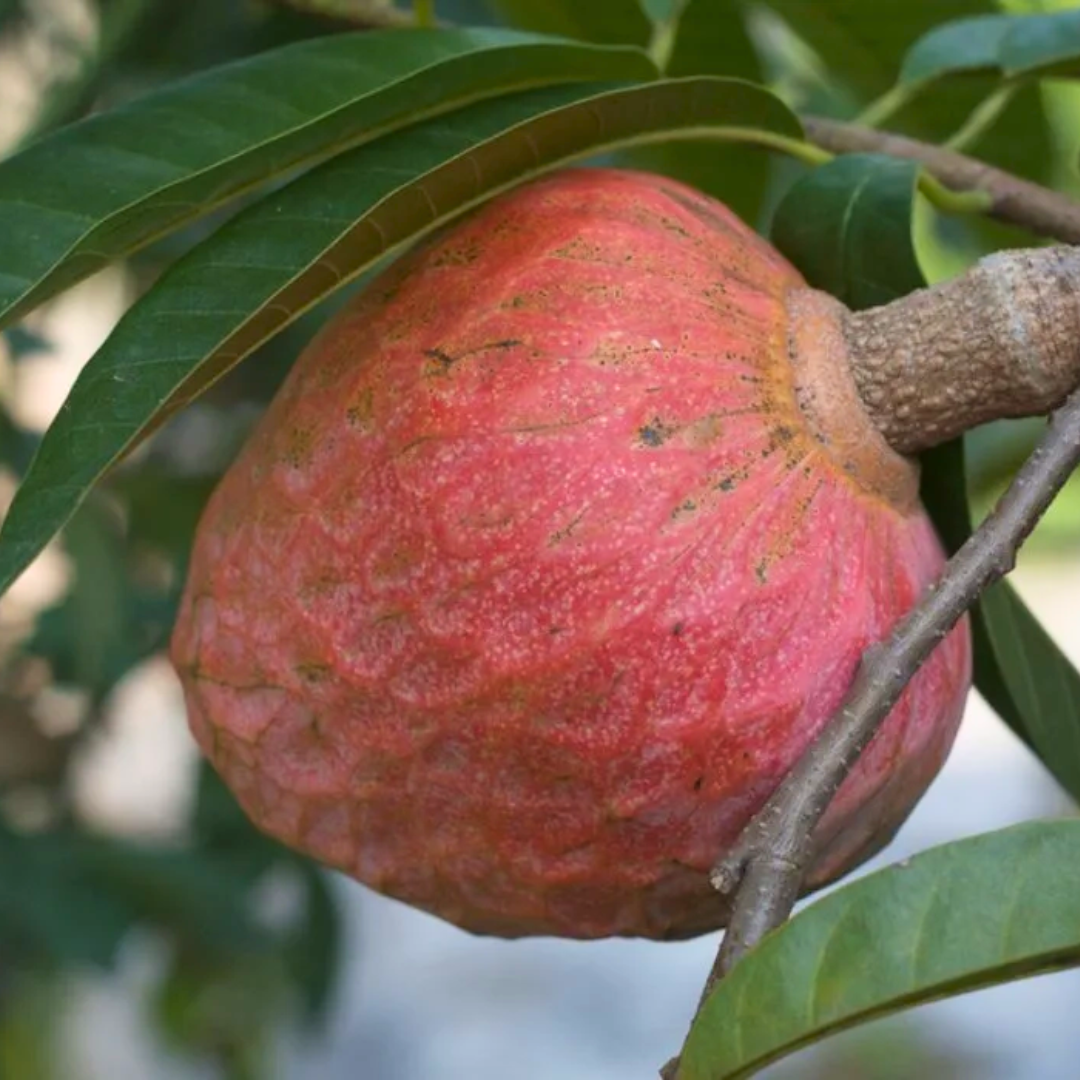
x: 556, y: 549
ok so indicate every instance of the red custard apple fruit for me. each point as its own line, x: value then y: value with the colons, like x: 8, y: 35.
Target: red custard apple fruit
x: 556, y: 549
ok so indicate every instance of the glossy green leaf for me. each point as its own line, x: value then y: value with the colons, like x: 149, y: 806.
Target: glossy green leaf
x: 847, y: 226
x: 101, y: 188
x: 281, y: 256
x: 1010, y: 45
x: 959, y: 917
x: 623, y: 22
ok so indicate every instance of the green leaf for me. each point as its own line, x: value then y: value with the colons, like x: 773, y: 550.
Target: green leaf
x: 17, y: 444
x: 22, y: 342
x: 863, y: 42
x: 201, y: 897
x: 163, y: 508
x: 71, y: 84
x: 622, y: 22
x: 102, y: 188
x: 959, y: 917
x: 1010, y: 45
x: 1043, y: 44
x: 87, y: 636
x: 281, y: 256
x: 1039, y: 693
x: 711, y: 39
x: 51, y: 907
x: 1019, y: 670
x: 847, y: 226
x: 963, y: 46
x: 313, y: 951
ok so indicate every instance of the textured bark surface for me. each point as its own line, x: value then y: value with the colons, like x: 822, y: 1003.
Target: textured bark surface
x: 1003, y: 340
x: 536, y: 579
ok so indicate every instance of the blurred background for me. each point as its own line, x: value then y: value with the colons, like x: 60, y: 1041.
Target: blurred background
x: 147, y: 932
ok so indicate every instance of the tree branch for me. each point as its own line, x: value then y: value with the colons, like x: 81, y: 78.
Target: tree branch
x: 1015, y: 201
x: 767, y: 865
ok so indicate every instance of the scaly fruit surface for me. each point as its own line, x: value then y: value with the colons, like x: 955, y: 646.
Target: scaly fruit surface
x: 537, y: 575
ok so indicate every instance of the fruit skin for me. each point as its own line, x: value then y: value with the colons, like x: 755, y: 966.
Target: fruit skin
x: 535, y: 579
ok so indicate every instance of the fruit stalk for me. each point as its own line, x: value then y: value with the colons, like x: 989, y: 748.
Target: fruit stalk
x: 1002, y: 340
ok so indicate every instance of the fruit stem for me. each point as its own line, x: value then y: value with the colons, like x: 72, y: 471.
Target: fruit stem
x: 1002, y: 340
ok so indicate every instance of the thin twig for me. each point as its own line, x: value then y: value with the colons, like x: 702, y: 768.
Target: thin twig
x: 766, y: 868
x: 773, y: 851
x: 1014, y: 201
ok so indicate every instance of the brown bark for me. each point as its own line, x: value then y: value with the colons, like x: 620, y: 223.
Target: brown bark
x: 1003, y: 340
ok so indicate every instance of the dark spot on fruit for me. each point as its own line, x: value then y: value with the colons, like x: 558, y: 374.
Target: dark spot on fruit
x: 359, y: 414
x: 687, y: 507
x: 509, y: 343
x: 457, y: 256
x: 656, y: 432
x: 702, y: 211
x: 698, y: 783
x: 312, y: 672
x: 677, y: 629
x: 784, y: 434
x: 443, y: 359
x: 554, y: 630
x: 565, y: 532
x: 761, y: 571
x: 727, y: 484
x: 299, y: 447
x: 672, y: 226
